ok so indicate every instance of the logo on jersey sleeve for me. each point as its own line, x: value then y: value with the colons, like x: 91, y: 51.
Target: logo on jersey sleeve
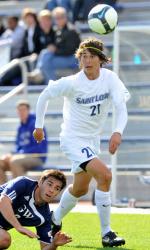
x: 27, y: 198
x: 12, y: 195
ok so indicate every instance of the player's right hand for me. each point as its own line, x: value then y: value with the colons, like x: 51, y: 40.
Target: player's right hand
x: 61, y: 239
x: 26, y: 232
x: 38, y: 134
x: 114, y: 142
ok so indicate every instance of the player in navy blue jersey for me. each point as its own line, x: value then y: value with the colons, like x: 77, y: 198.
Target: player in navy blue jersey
x: 25, y: 202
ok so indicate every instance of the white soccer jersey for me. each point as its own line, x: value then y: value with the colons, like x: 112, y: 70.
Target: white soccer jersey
x: 86, y: 103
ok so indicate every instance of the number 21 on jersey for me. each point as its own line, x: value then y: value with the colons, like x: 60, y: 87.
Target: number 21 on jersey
x: 95, y: 109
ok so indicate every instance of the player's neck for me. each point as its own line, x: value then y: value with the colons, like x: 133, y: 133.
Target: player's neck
x: 92, y: 75
x: 38, y: 200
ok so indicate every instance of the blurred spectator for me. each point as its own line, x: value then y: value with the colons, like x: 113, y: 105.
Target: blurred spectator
x: 60, y: 55
x: 47, y: 32
x: 52, y: 4
x: 15, y: 32
x: 66, y: 4
x: 26, y: 155
x: 82, y: 7
x: 2, y: 27
x: 31, y: 38
x: 112, y: 3
x: 46, y: 38
x: 30, y: 44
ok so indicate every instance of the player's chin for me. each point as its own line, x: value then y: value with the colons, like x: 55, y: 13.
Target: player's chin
x: 47, y: 198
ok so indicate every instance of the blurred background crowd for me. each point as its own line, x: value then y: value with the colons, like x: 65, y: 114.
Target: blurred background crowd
x: 50, y: 36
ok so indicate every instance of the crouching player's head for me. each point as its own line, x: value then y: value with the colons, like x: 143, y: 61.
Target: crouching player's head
x: 50, y: 185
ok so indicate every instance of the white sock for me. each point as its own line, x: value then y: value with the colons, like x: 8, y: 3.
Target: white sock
x: 103, y: 203
x: 67, y: 202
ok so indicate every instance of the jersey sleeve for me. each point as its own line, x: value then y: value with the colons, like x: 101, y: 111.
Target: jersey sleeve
x: 14, y: 188
x: 120, y: 96
x: 44, y: 232
x: 62, y: 87
x: 118, y: 91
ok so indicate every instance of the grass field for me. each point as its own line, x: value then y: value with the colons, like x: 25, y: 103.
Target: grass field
x: 84, y: 229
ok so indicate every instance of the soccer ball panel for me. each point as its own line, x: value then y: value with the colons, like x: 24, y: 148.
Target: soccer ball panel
x: 96, y: 25
x: 111, y: 17
x: 102, y: 19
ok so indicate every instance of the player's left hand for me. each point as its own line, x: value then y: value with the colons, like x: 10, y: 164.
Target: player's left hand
x: 114, y: 142
x: 61, y: 239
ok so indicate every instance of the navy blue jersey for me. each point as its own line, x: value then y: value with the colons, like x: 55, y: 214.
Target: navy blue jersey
x: 21, y: 192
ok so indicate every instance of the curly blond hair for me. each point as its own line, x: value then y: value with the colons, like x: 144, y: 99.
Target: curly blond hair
x: 95, y: 46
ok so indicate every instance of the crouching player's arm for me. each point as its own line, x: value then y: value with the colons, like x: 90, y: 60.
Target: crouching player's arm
x: 7, y: 211
x: 60, y: 239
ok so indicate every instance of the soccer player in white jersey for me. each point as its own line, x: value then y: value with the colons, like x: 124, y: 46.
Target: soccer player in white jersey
x: 87, y: 98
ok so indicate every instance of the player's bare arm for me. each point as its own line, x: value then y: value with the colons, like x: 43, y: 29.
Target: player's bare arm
x: 114, y: 142
x: 60, y: 239
x: 7, y: 211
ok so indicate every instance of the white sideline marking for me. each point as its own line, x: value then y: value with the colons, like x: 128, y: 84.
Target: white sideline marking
x: 88, y: 208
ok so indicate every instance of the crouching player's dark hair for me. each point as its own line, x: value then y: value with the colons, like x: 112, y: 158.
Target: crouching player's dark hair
x: 57, y: 174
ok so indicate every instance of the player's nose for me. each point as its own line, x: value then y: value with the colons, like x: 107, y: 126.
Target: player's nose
x: 51, y: 190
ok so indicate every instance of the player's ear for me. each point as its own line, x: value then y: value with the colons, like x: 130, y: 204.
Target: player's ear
x: 80, y: 65
x: 40, y: 182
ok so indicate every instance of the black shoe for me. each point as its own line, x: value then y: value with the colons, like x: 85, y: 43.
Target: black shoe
x: 112, y: 240
x: 55, y: 228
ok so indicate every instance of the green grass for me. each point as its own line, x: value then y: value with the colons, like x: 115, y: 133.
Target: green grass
x: 84, y: 229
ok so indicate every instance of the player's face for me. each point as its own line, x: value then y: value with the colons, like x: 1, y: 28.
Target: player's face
x: 49, y: 189
x: 90, y: 64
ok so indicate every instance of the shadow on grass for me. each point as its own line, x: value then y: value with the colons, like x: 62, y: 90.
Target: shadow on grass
x: 96, y: 248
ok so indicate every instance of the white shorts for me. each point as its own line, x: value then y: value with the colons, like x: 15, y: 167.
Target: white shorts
x: 79, y: 150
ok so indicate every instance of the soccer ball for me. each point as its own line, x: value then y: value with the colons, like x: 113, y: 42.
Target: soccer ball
x: 102, y: 19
